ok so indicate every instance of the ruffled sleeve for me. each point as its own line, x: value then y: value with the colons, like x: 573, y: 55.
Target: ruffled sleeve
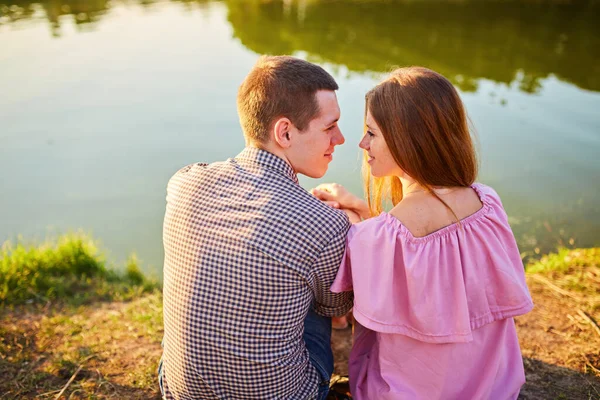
x: 437, y: 288
x: 343, y: 280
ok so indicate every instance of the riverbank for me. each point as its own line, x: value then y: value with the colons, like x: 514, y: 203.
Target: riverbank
x: 100, y: 339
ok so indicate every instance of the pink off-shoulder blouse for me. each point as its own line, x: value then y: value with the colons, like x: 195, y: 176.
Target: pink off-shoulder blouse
x: 435, y: 313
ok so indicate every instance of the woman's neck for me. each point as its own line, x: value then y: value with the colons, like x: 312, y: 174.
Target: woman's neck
x: 409, y: 186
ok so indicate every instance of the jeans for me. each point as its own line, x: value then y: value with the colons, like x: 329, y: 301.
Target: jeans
x: 317, y: 337
x: 160, y: 373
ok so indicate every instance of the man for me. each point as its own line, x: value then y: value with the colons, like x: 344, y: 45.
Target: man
x: 250, y: 255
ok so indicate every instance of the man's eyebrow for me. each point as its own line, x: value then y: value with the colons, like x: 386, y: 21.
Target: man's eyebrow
x: 333, y: 122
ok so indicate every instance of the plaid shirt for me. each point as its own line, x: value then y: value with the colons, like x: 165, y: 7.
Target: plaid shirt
x: 247, y: 252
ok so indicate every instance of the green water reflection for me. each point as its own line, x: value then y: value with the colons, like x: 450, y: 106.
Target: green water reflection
x: 508, y: 42
x: 82, y: 11
x: 514, y: 41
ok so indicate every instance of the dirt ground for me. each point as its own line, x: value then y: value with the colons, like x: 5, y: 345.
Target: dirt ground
x: 560, y: 345
x: 110, y: 350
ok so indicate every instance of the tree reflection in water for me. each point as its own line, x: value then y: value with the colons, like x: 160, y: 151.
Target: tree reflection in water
x: 512, y: 42
x: 508, y: 42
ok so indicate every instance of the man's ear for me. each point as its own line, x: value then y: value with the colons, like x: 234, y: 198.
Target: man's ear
x: 282, y: 132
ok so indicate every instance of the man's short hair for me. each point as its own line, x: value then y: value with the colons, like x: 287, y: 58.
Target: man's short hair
x: 276, y: 87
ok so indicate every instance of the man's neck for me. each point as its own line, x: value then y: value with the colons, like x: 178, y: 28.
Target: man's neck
x: 273, y: 149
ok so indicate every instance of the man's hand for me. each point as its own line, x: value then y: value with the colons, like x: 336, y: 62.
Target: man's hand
x: 338, y: 196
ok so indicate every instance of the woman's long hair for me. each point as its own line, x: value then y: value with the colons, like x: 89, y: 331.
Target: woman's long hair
x: 424, y: 124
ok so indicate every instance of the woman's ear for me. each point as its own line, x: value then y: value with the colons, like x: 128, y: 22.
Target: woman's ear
x: 282, y: 132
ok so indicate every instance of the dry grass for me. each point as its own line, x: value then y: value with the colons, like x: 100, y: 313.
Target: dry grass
x: 560, y: 339
x: 115, y: 346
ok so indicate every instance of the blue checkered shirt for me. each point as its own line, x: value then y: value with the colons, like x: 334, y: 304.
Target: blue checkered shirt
x: 247, y: 252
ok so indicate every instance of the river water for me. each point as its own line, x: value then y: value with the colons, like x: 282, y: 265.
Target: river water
x: 101, y: 102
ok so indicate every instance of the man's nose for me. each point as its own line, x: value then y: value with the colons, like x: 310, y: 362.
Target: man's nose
x: 338, y: 138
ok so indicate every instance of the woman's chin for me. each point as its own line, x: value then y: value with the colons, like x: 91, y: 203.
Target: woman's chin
x: 378, y: 172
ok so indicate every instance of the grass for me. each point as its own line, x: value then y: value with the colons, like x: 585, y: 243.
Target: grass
x: 566, y: 260
x: 576, y: 271
x: 69, y: 268
x: 560, y: 338
x: 64, y: 314
x: 111, y: 348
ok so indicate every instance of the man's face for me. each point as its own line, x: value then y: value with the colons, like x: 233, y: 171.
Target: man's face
x: 312, y: 149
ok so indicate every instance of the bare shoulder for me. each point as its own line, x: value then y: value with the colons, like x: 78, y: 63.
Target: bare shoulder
x: 415, y: 214
x: 425, y: 214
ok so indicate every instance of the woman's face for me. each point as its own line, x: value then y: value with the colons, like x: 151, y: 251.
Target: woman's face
x: 380, y: 159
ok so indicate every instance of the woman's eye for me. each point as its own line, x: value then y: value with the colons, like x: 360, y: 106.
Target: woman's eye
x: 370, y: 133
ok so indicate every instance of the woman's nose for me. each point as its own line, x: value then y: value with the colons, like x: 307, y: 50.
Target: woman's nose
x: 364, y: 143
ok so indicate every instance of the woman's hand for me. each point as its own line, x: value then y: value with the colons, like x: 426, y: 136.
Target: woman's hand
x: 338, y: 196
x: 352, y: 216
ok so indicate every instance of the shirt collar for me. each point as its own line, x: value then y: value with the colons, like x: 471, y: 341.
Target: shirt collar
x: 268, y: 160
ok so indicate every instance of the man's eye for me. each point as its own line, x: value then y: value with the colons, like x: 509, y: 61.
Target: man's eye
x: 331, y: 128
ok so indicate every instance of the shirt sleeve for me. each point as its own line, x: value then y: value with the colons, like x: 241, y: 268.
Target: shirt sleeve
x: 327, y: 303
x: 343, y: 280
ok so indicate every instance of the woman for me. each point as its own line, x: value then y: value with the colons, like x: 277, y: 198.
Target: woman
x: 438, y: 279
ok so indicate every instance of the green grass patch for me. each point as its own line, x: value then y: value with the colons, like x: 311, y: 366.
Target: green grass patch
x: 577, y: 271
x: 69, y: 268
x: 567, y: 260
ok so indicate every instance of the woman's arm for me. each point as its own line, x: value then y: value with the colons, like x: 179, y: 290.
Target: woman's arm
x: 352, y: 216
x: 333, y: 193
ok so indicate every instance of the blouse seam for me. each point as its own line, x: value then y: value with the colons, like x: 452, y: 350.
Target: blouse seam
x: 503, y: 310
x: 410, y: 328
x: 473, y: 322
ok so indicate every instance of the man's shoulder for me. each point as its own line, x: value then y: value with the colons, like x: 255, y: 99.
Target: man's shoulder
x: 294, y: 227
x: 279, y: 201
x: 198, y: 171
x: 314, y: 208
x: 198, y: 167
x: 309, y: 214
